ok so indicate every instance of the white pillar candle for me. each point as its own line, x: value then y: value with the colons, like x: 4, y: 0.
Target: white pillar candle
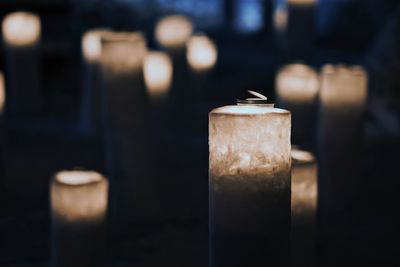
x: 249, y: 185
x: 297, y: 87
x: 342, y: 102
x: 79, y: 202
x: 92, y: 96
x: 129, y: 143
x: 304, y: 204
x: 21, y: 35
x: 157, y: 72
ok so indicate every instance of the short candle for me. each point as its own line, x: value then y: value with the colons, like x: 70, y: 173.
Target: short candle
x: 79, y: 201
x: 249, y: 185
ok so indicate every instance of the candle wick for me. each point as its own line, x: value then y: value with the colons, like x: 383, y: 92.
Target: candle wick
x: 256, y: 94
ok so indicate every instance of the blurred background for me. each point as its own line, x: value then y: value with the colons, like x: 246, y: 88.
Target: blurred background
x: 251, y: 48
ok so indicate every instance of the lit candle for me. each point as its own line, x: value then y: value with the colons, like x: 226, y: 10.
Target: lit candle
x: 297, y: 88
x: 127, y: 116
x: 92, y: 97
x: 21, y: 35
x: 249, y: 179
x: 157, y: 74
x: 304, y: 203
x: 79, y: 201
x: 342, y: 103
x: 201, y: 53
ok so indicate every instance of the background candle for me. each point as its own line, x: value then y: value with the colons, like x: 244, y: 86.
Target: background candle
x: 342, y: 102
x: 249, y: 179
x: 92, y: 96
x: 21, y: 35
x: 297, y: 88
x: 79, y: 202
x: 157, y: 74
x: 201, y: 53
x: 304, y: 204
x: 129, y: 150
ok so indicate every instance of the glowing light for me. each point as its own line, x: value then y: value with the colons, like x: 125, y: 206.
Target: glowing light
x: 201, y: 52
x: 91, y: 45
x: 297, y: 83
x: 21, y: 29
x: 173, y: 31
x: 2, y: 93
x: 157, y: 70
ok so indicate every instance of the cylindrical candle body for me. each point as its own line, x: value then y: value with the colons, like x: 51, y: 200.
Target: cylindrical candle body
x: 157, y: 74
x: 21, y: 35
x: 92, y: 97
x: 249, y: 186
x: 128, y: 138
x: 297, y: 90
x: 342, y: 102
x: 304, y: 204
x: 79, y: 202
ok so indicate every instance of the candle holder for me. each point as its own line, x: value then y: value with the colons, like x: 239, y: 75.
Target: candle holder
x: 297, y: 87
x: 128, y: 136
x: 249, y: 184
x: 342, y: 104
x: 304, y: 204
x: 21, y: 35
x: 158, y: 72
x: 92, y: 96
x: 79, y: 201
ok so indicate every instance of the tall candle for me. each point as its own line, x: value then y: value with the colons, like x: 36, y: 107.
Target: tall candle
x: 21, y: 35
x: 92, y: 96
x: 304, y: 204
x: 128, y: 138
x: 297, y: 88
x: 157, y: 74
x: 342, y: 103
x: 249, y: 185
x: 79, y: 201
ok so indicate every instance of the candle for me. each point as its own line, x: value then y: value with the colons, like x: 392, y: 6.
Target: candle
x: 129, y: 145
x: 249, y: 179
x: 173, y: 31
x: 342, y: 103
x: 157, y: 74
x: 297, y: 88
x: 201, y: 53
x: 79, y: 202
x: 304, y: 202
x: 21, y: 35
x: 92, y: 97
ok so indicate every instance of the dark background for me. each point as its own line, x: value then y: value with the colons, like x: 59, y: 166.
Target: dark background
x: 365, y: 32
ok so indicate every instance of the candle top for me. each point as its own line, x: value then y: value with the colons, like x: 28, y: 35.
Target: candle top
x: 247, y: 110
x: 343, y: 69
x: 301, y: 156
x: 78, y: 177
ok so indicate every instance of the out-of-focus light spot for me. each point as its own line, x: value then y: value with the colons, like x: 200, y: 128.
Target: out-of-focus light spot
x: 157, y: 74
x: 173, y: 31
x: 21, y: 29
x: 201, y: 52
x: 2, y: 93
x: 249, y: 15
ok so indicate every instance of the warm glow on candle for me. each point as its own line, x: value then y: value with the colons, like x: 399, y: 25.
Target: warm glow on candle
x: 173, y: 31
x: 21, y: 29
x: 157, y: 73
x: 91, y: 45
x: 123, y: 51
x: 2, y: 93
x: 343, y: 87
x: 201, y: 52
x: 78, y: 196
x: 297, y: 83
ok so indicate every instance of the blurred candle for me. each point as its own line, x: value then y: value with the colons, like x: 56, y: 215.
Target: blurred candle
x: 79, y: 201
x: 21, y: 35
x: 297, y: 88
x: 127, y: 119
x: 304, y: 203
x: 173, y: 31
x: 201, y: 53
x: 249, y: 185
x: 342, y: 103
x: 157, y: 74
x: 92, y: 95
